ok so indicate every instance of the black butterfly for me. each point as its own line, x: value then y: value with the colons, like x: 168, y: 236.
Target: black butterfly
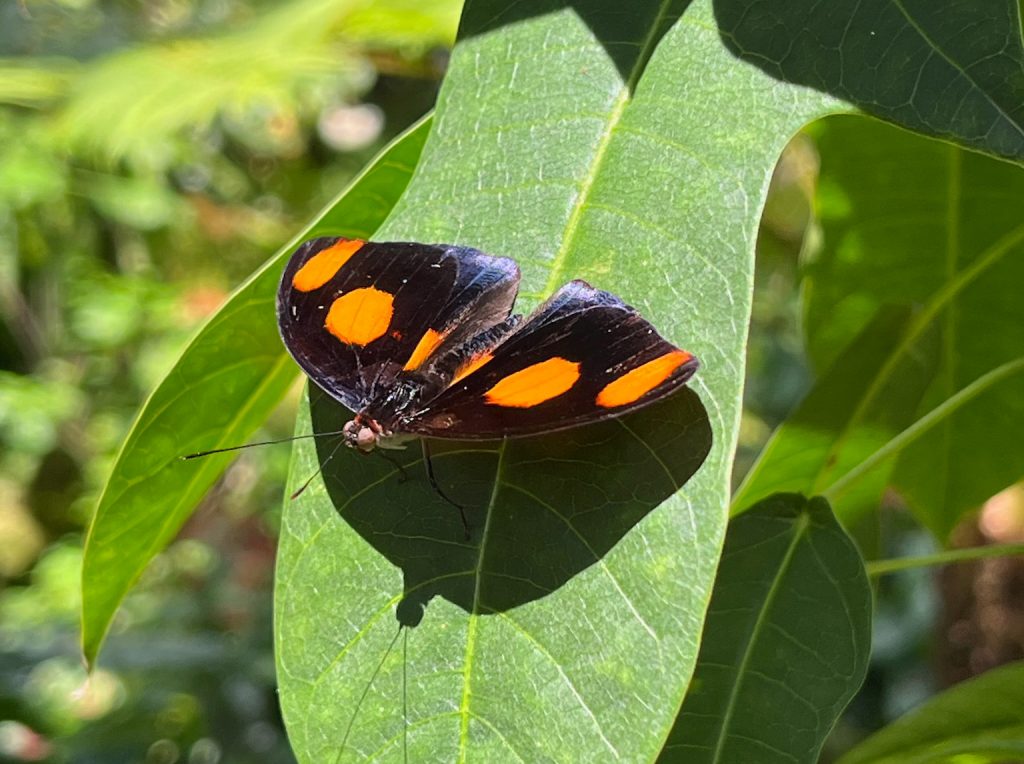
x: 419, y: 339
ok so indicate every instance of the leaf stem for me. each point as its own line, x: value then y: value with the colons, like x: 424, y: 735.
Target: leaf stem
x: 883, y: 567
x: 922, y: 425
x: 940, y: 300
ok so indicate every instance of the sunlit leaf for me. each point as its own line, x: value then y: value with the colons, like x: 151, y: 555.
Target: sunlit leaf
x: 34, y: 82
x: 631, y: 150
x: 220, y: 390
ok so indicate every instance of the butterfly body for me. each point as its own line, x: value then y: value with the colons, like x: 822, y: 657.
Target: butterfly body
x: 420, y: 340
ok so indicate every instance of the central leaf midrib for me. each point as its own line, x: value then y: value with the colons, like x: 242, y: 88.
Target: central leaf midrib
x: 467, y: 665
x: 799, y: 530
x: 558, y: 263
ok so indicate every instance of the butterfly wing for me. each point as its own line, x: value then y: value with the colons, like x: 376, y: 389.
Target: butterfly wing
x: 582, y: 356
x: 358, y: 315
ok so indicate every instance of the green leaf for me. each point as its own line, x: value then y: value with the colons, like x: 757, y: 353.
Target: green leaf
x: 634, y: 151
x: 951, y: 70
x: 829, y: 433
x: 978, y: 721
x: 786, y: 642
x: 220, y: 390
x: 912, y: 222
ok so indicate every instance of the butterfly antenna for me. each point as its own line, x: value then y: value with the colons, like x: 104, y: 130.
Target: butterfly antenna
x: 433, y: 482
x: 366, y: 691
x: 198, y: 454
x: 324, y: 463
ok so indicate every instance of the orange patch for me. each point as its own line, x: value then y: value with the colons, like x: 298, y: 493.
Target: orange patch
x: 636, y: 383
x: 535, y: 384
x: 360, y: 316
x: 428, y: 344
x: 321, y: 267
x: 470, y: 366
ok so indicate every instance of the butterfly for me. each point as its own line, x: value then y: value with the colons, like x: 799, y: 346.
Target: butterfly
x: 420, y: 340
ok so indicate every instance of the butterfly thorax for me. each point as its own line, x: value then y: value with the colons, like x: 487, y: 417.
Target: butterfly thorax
x: 374, y: 426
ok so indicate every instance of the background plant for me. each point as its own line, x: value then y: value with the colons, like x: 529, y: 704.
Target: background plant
x: 650, y: 178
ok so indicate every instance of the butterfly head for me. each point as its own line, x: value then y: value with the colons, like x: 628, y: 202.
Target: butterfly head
x: 363, y: 434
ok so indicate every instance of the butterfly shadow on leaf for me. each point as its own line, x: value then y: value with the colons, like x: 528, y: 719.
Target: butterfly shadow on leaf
x: 540, y: 509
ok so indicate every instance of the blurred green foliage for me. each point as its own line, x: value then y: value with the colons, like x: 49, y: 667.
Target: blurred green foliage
x: 151, y: 156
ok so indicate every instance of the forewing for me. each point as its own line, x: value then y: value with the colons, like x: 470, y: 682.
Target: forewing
x: 355, y: 315
x: 583, y: 356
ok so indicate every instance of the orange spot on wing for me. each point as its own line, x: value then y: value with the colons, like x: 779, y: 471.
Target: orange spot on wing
x: 360, y: 316
x: 321, y: 267
x: 535, y: 384
x: 636, y: 383
x: 428, y: 344
x: 470, y: 366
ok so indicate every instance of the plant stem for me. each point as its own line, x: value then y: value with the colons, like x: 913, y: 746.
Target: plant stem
x: 884, y: 567
x: 922, y: 425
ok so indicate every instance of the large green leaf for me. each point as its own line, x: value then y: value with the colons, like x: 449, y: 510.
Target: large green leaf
x: 786, y: 642
x: 913, y: 222
x: 632, y: 150
x: 976, y: 721
x: 220, y: 390
x: 946, y: 69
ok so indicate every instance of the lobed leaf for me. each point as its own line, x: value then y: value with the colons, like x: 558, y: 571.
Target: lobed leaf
x: 633, y: 150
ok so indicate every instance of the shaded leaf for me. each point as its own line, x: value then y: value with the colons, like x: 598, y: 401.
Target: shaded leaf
x: 591, y: 143
x: 913, y: 222
x: 220, y: 390
x: 786, y: 642
x: 978, y: 721
x: 952, y: 70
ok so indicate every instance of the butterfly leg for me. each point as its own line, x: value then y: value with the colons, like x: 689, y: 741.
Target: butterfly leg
x: 433, y: 482
x: 403, y: 475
